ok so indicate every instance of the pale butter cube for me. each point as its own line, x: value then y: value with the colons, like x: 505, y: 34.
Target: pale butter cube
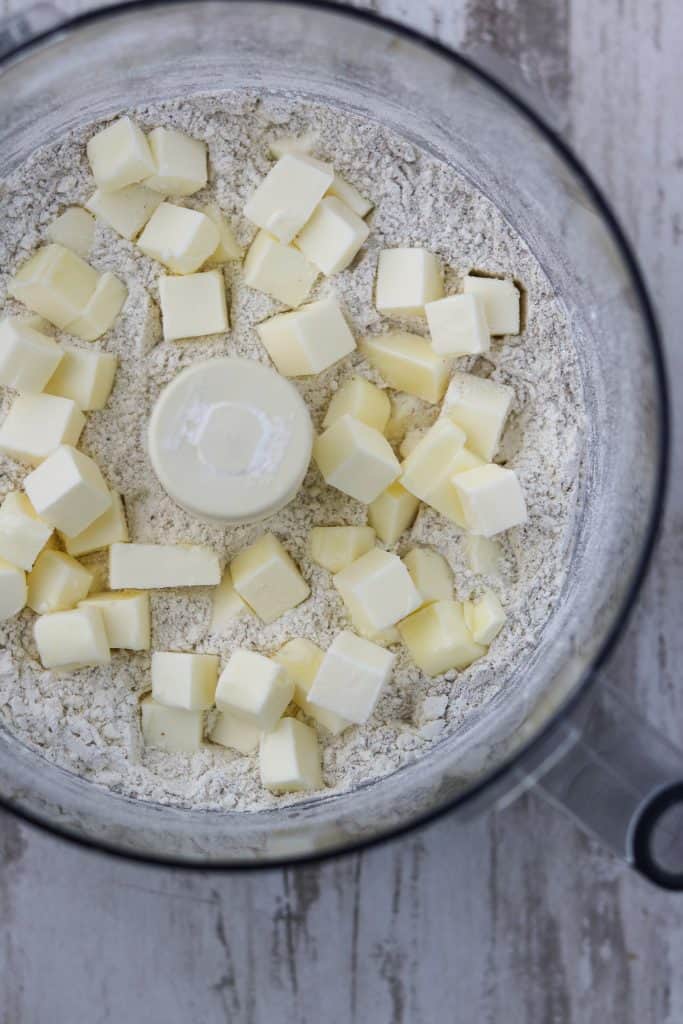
x: 429, y: 468
x: 302, y: 659
x: 227, y: 605
x: 68, y: 490
x: 352, y: 676
x: 457, y: 326
x: 278, y: 270
x: 56, y: 284
x: 13, y: 590
x: 492, y: 499
x: 289, y: 758
x: 72, y: 639
x: 156, y: 566
x: 268, y: 579
x: 377, y: 587
x: 185, y: 681
x: 438, y: 638
x: 28, y: 358
x: 292, y: 144
x: 480, y: 407
x: 335, y: 547
x: 361, y: 399
x: 485, y: 617
x: 383, y: 637
x: 408, y: 363
x: 442, y: 493
x: 333, y: 236
x: 500, y: 300
x: 179, y: 163
x: 410, y: 442
x: 127, y: 618
x: 109, y: 528
x: 231, y: 732
x: 307, y: 340
x: 171, y: 729
x: 431, y: 574
x: 350, y: 195
x: 356, y: 459
x: 23, y: 534
x: 37, y: 424
x: 75, y: 228
x: 57, y: 582
x: 407, y: 279
x: 179, y: 238
x: 101, y: 309
x: 288, y: 195
x: 126, y: 211
x: 193, y: 306
x: 119, y: 155
x: 255, y: 689
x: 393, y: 512
x: 85, y: 377
x: 228, y: 247
x: 483, y: 555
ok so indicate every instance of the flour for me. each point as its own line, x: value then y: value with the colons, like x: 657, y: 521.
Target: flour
x: 87, y: 721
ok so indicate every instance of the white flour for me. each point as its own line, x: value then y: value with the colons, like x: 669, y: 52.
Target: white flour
x: 87, y: 722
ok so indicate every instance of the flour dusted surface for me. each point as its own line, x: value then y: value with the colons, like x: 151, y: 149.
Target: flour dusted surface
x: 87, y: 721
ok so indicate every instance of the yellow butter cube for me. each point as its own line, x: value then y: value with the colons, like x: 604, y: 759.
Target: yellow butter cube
x: 228, y: 247
x: 179, y: 238
x: 410, y: 442
x: 457, y: 326
x: 302, y: 659
x: 407, y: 279
x: 119, y: 155
x: 288, y: 195
x: 491, y: 498
x: 483, y: 555
x: 332, y: 237
x: 438, y: 638
x: 72, y: 639
x: 232, y: 732
x: 485, y: 617
x: 335, y: 547
x: 179, y: 163
x: 28, y: 358
x: 267, y: 578
x: 171, y: 729
x: 363, y: 626
x: 501, y: 302
x: 56, y: 284
x: 57, y: 582
x: 156, y: 566
x: 127, y: 618
x: 480, y: 407
x: 393, y: 512
x: 84, y: 377
x: 127, y: 210
x: 431, y: 574
x: 227, y: 605
x: 350, y: 195
x: 185, y: 681
x: 361, y: 399
x: 356, y: 459
x: 307, y: 340
x: 429, y: 468
x: 13, y: 590
x: 68, y: 491
x: 194, y: 305
x: 254, y: 689
x: 109, y: 528
x: 408, y: 363
x: 101, y: 310
x: 23, y: 534
x: 352, y: 676
x: 75, y: 228
x: 378, y: 589
x: 37, y: 424
x: 289, y: 758
x: 278, y: 270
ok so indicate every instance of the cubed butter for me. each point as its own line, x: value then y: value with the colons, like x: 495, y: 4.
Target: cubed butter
x: 485, y: 617
x: 268, y: 579
x: 483, y: 555
x: 75, y: 228
x: 56, y: 284
x: 429, y: 468
x: 288, y: 195
x: 333, y: 236
x: 72, y: 639
x: 23, y: 534
x: 156, y: 566
x: 28, y: 358
x: 84, y: 377
x: 393, y: 512
x: 383, y: 637
x: 13, y: 590
x: 410, y: 442
x: 356, y: 459
x: 307, y: 340
x: 431, y: 574
x: 254, y: 689
x: 194, y: 305
x: 37, y: 424
x: 119, y: 155
x: 302, y: 659
x: 227, y: 605
x: 492, y: 499
x: 500, y: 300
x: 179, y: 238
x: 179, y: 163
x: 171, y: 729
x: 457, y: 326
x: 228, y: 247
x: 101, y: 309
x: 480, y: 407
x: 109, y: 528
x: 232, y: 732
x: 335, y: 547
x: 278, y: 270
x: 350, y: 195
x: 289, y: 758
x: 408, y: 363
x: 57, y: 582
x: 438, y: 638
x: 407, y: 279
x: 378, y: 588
x: 126, y: 211
x: 361, y: 399
x: 351, y: 677
x: 68, y: 491
x: 127, y: 618
x: 185, y: 681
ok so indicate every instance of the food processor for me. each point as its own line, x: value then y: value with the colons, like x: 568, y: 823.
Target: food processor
x: 554, y: 723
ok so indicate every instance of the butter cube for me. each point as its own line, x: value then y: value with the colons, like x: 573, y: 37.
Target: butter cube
x: 500, y: 300
x: 193, y: 306
x: 57, y: 582
x: 307, y: 340
x: 278, y: 270
x: 72, y: 639
x: 184, y: 680
x: 393, y: 512
x: 428, y: 470
x: 13, y: 590
x: 23, y: 534
x: 68, y: 491
x: 410, y: 442
x: 408, y: 363
x: 438, y: 638
x: 352, y: 676
x: 377, y: 587
x: 84, y: 377
x: 227, y: 605
x: 457, y: 325
x: 332, y: 237
x: 37, y: 424
x: 290, y: 758
x: 156, y: 566
x: 407, y: 279
x: 179, y: 238
x: 109, y: 528
x: 356, y: 459
x: 101, y: 310
x: 119, y: 155
x: 350, y: 195
x: 431, y: 574
x: 56, y: 284
x: 75, y: 228
x: 127, y: 619
x: 302, y: 659
x: 362, y: 400
x: 480, y: 407
x: 28, y: 358
x: 171, y: 729
x: 483, y: 555
x: 254, y: 689
x: 288, y: 195
x: 485, y: 617
x: 234, y: 733
x: 179, y: 163
x: 335, y: 547
x: 267, y: 578
x: 228, y: 247
x: 492, y: 499
x: 126, y: 211
x: 383, y: 637
x: 292, y: 144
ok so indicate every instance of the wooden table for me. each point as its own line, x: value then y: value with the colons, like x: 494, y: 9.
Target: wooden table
x: 518, y: 918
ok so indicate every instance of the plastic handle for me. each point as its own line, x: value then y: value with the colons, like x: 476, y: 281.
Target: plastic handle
x: 22, y: 28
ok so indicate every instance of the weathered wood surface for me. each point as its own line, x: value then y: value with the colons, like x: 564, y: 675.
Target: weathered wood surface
x: 517, y: 918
